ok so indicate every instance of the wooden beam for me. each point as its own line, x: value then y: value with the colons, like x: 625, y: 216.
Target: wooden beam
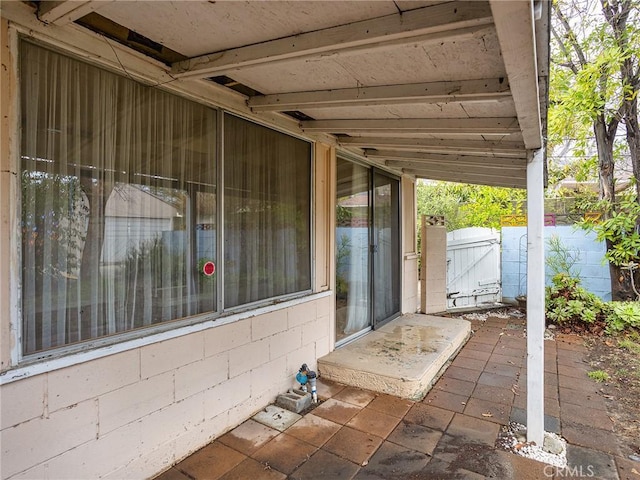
x: 444, y: 158
x: 67, y: 11
x: 463, y: 126
x: 481, y: 170
x: 491, y: 180
x: 433, y: 145
x: 491, y: 89
x: 458, y: 164
x: 437, y: 21
x: 514, y: 23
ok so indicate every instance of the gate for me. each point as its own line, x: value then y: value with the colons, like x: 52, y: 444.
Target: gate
x: 473, y: 268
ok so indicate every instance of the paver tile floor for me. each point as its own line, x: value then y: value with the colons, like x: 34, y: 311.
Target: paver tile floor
x: 450, y: 434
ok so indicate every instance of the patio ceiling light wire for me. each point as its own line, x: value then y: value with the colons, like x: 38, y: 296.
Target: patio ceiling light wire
x: 173, y: 79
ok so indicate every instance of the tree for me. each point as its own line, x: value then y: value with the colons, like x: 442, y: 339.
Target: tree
x: 595, y: 80
x: 465, y: 205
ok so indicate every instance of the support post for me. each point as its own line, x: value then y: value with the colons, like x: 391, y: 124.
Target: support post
x: 433, y: 276
x: 535, y: 297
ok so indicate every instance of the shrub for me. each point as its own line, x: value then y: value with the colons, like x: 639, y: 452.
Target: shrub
x: 621, y: 316
x: 568, y: 302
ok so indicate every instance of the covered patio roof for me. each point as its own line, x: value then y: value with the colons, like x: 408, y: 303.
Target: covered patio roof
x: 441, y: 90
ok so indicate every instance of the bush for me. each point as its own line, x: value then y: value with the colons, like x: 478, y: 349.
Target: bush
x: 622, y: 316
x: 567, y: 302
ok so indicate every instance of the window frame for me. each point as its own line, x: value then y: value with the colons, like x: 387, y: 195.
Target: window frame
x: 153, y: 333
x: 311, y: 237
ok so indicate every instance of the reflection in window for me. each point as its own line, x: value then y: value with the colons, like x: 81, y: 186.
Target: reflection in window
x: 267, y: 213
x: 118, y: 203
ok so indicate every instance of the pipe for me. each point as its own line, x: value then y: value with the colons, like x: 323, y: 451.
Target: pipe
x: 312, y: 380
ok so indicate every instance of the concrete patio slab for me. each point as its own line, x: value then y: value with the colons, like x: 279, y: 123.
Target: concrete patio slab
x: 404, y: 358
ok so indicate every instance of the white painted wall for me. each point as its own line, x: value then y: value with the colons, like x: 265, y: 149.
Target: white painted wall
x: 433, y: 286
x: 131, y: 414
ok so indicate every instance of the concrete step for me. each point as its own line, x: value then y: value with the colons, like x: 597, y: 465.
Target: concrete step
x: 403, y: 358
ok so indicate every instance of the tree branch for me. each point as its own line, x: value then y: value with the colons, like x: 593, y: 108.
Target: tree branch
x: 563, y: 47
x: 570, y: 35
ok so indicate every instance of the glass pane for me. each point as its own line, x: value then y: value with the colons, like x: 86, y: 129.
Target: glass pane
x: 267, y: 224
x: 386, y: 247
x: 111, y: 173
x: 352, y: 249
x: 205, y: 250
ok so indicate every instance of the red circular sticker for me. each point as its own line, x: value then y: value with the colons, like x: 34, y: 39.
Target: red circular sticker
x: 209, y: 268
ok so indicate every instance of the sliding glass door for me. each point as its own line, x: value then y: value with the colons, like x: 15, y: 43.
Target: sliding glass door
x: 386, y: 248
x: 353, y: 262
x: 367, y: 249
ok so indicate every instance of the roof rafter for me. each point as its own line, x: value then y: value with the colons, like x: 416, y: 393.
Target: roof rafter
x: 398, y: 160
x: 490, y: 89
x: 477, y: 179
x: 432, y: 145
x: 462, y: 126
x: 494, y: 168
x: 67, y: 11
x: 516, y: 174
x: 438, y: 21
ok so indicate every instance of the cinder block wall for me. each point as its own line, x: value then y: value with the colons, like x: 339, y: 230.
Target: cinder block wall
x: 593, y: 273
x: 131, y: 414
x: 433, y: 286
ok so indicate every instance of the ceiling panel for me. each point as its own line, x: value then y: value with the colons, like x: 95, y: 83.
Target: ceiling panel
x: 415, y: 63
x: 196, y: 28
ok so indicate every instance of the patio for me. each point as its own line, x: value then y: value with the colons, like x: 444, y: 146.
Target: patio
x: 356, y: 433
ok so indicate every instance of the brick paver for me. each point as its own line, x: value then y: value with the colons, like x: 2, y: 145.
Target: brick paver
x: 451, y: 433
x: 373, y: 421
x: 416, y: 437
x: 353, y: 444
x: 284, y: 453
x: 393, y: 461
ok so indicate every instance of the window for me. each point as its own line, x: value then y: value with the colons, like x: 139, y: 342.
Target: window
x: 120, y: 207
x: 118, y: 203
x: 267, y: 225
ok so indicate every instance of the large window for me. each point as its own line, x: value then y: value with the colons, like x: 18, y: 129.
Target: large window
x: 120, y: 206
x: 267, y: 186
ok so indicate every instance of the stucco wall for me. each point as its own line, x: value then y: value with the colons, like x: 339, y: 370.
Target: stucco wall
x: 594, y: 274
x: 130, y: 414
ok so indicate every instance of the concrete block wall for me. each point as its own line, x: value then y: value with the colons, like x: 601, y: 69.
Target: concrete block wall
x: 410, y: 257
x: 134, y: 413
x: 593, y: 273
x: 433, y: 295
